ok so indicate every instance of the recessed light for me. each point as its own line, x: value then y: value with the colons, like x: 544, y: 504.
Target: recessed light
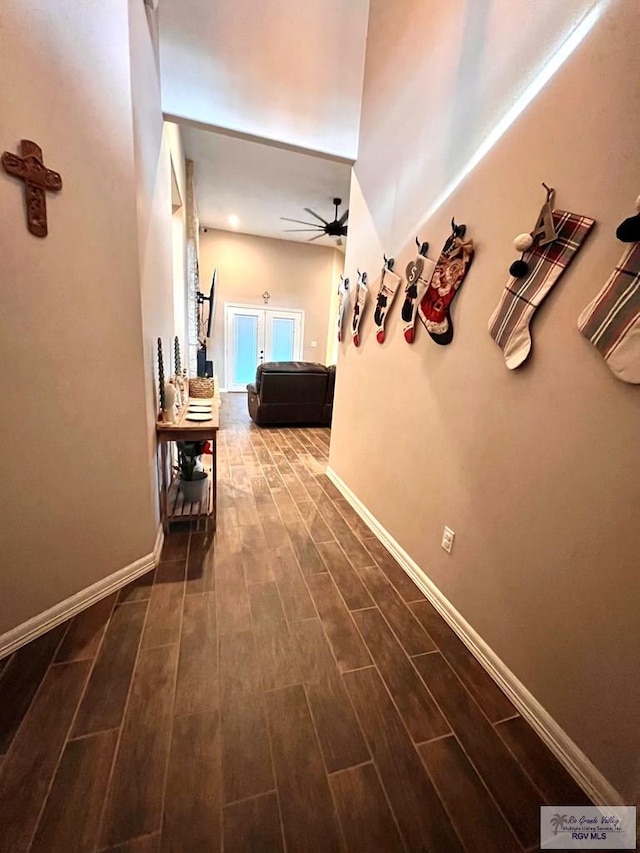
x: 233, y: 221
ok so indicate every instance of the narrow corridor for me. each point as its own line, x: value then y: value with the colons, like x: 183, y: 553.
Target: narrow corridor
x: 281, y: 685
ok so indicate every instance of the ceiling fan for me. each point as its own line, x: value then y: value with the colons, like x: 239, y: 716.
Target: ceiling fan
x: 337, y: 228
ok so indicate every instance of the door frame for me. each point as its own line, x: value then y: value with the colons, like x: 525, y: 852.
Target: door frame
x: 247, y: 306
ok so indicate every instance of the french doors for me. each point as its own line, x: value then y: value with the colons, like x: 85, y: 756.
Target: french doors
x: 254, y: 335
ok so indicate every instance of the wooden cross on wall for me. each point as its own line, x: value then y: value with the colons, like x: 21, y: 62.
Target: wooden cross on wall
x: 37, y: 179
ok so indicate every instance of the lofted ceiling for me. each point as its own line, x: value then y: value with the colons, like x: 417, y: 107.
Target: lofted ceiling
x: 268, y: 96
x: 259, y: 183
x: 283, y: 70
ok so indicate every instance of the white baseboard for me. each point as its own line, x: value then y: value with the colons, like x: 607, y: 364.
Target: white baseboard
x: 566, y: 751
x: 43, y: 622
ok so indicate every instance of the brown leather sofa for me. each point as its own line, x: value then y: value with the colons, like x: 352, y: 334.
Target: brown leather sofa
x: 292, y: 392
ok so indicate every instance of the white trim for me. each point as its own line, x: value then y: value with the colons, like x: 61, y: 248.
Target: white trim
x: 185, y: 121
x: 566, y: 751
x: 43, y: 622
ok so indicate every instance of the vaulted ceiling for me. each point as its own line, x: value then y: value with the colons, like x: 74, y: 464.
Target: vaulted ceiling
x: 268, y: 94
x: 260, y: 183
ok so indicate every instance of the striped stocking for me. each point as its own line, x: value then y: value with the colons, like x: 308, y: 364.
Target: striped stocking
x: 612, y: 320
x: 509, y: 324
x: 388, y: 286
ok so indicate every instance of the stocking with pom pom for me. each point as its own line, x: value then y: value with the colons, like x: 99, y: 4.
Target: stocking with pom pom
x: 543, y: 264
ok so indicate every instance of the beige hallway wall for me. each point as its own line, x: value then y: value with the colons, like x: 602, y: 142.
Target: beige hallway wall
x: 295, y: 274
x: 77, y: 501
x: 535, y: 470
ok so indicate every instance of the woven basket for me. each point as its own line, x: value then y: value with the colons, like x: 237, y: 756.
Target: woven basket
x: 201, y: 387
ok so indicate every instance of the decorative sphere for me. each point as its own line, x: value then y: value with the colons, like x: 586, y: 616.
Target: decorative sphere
x: 523, y: 242
x: 519, y: 269
x: 629, y: 230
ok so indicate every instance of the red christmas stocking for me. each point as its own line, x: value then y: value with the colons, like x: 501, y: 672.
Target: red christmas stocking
x: 419, y: 274
x: 362, y: 291
x: 451, y: 269
x: 388, y: 286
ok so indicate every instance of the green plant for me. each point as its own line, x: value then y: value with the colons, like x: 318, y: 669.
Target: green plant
x: 188, y: 454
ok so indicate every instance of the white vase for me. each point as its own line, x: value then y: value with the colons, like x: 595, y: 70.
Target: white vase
x: 169, y: 402
x: 195, y: 490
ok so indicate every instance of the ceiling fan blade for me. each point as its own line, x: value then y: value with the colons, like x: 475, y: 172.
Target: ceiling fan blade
x: 299, y: 221
x: 344, y: 217
x: 297, y: 230
x: 317, y: 216
x: 317, y: 237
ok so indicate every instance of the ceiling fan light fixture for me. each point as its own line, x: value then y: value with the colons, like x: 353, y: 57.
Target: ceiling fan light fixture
x: 337, y: 228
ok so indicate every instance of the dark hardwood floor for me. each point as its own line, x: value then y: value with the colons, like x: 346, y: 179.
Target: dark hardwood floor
x: 280, y: 686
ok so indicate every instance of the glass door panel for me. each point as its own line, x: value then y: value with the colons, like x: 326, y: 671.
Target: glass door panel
x: 245, y: 348
x: 283, y: 339
x: 283, y: 335
x: 244, y: 345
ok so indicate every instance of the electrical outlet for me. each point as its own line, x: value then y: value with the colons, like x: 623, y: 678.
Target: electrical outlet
x: 448, y: 536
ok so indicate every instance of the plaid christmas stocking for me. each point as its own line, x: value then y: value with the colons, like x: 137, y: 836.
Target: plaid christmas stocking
x: 343, y: 298
x: 362, y: 291
x: 419, y: 274
x: 388, y: 286
x: 451, y: 269
x: 612, y: 320
x: 509, y: 323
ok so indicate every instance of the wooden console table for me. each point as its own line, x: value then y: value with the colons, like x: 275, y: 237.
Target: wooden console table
x: 173, y: 507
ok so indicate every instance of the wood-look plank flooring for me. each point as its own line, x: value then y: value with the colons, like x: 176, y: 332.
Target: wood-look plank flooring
x: 280, y: 685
